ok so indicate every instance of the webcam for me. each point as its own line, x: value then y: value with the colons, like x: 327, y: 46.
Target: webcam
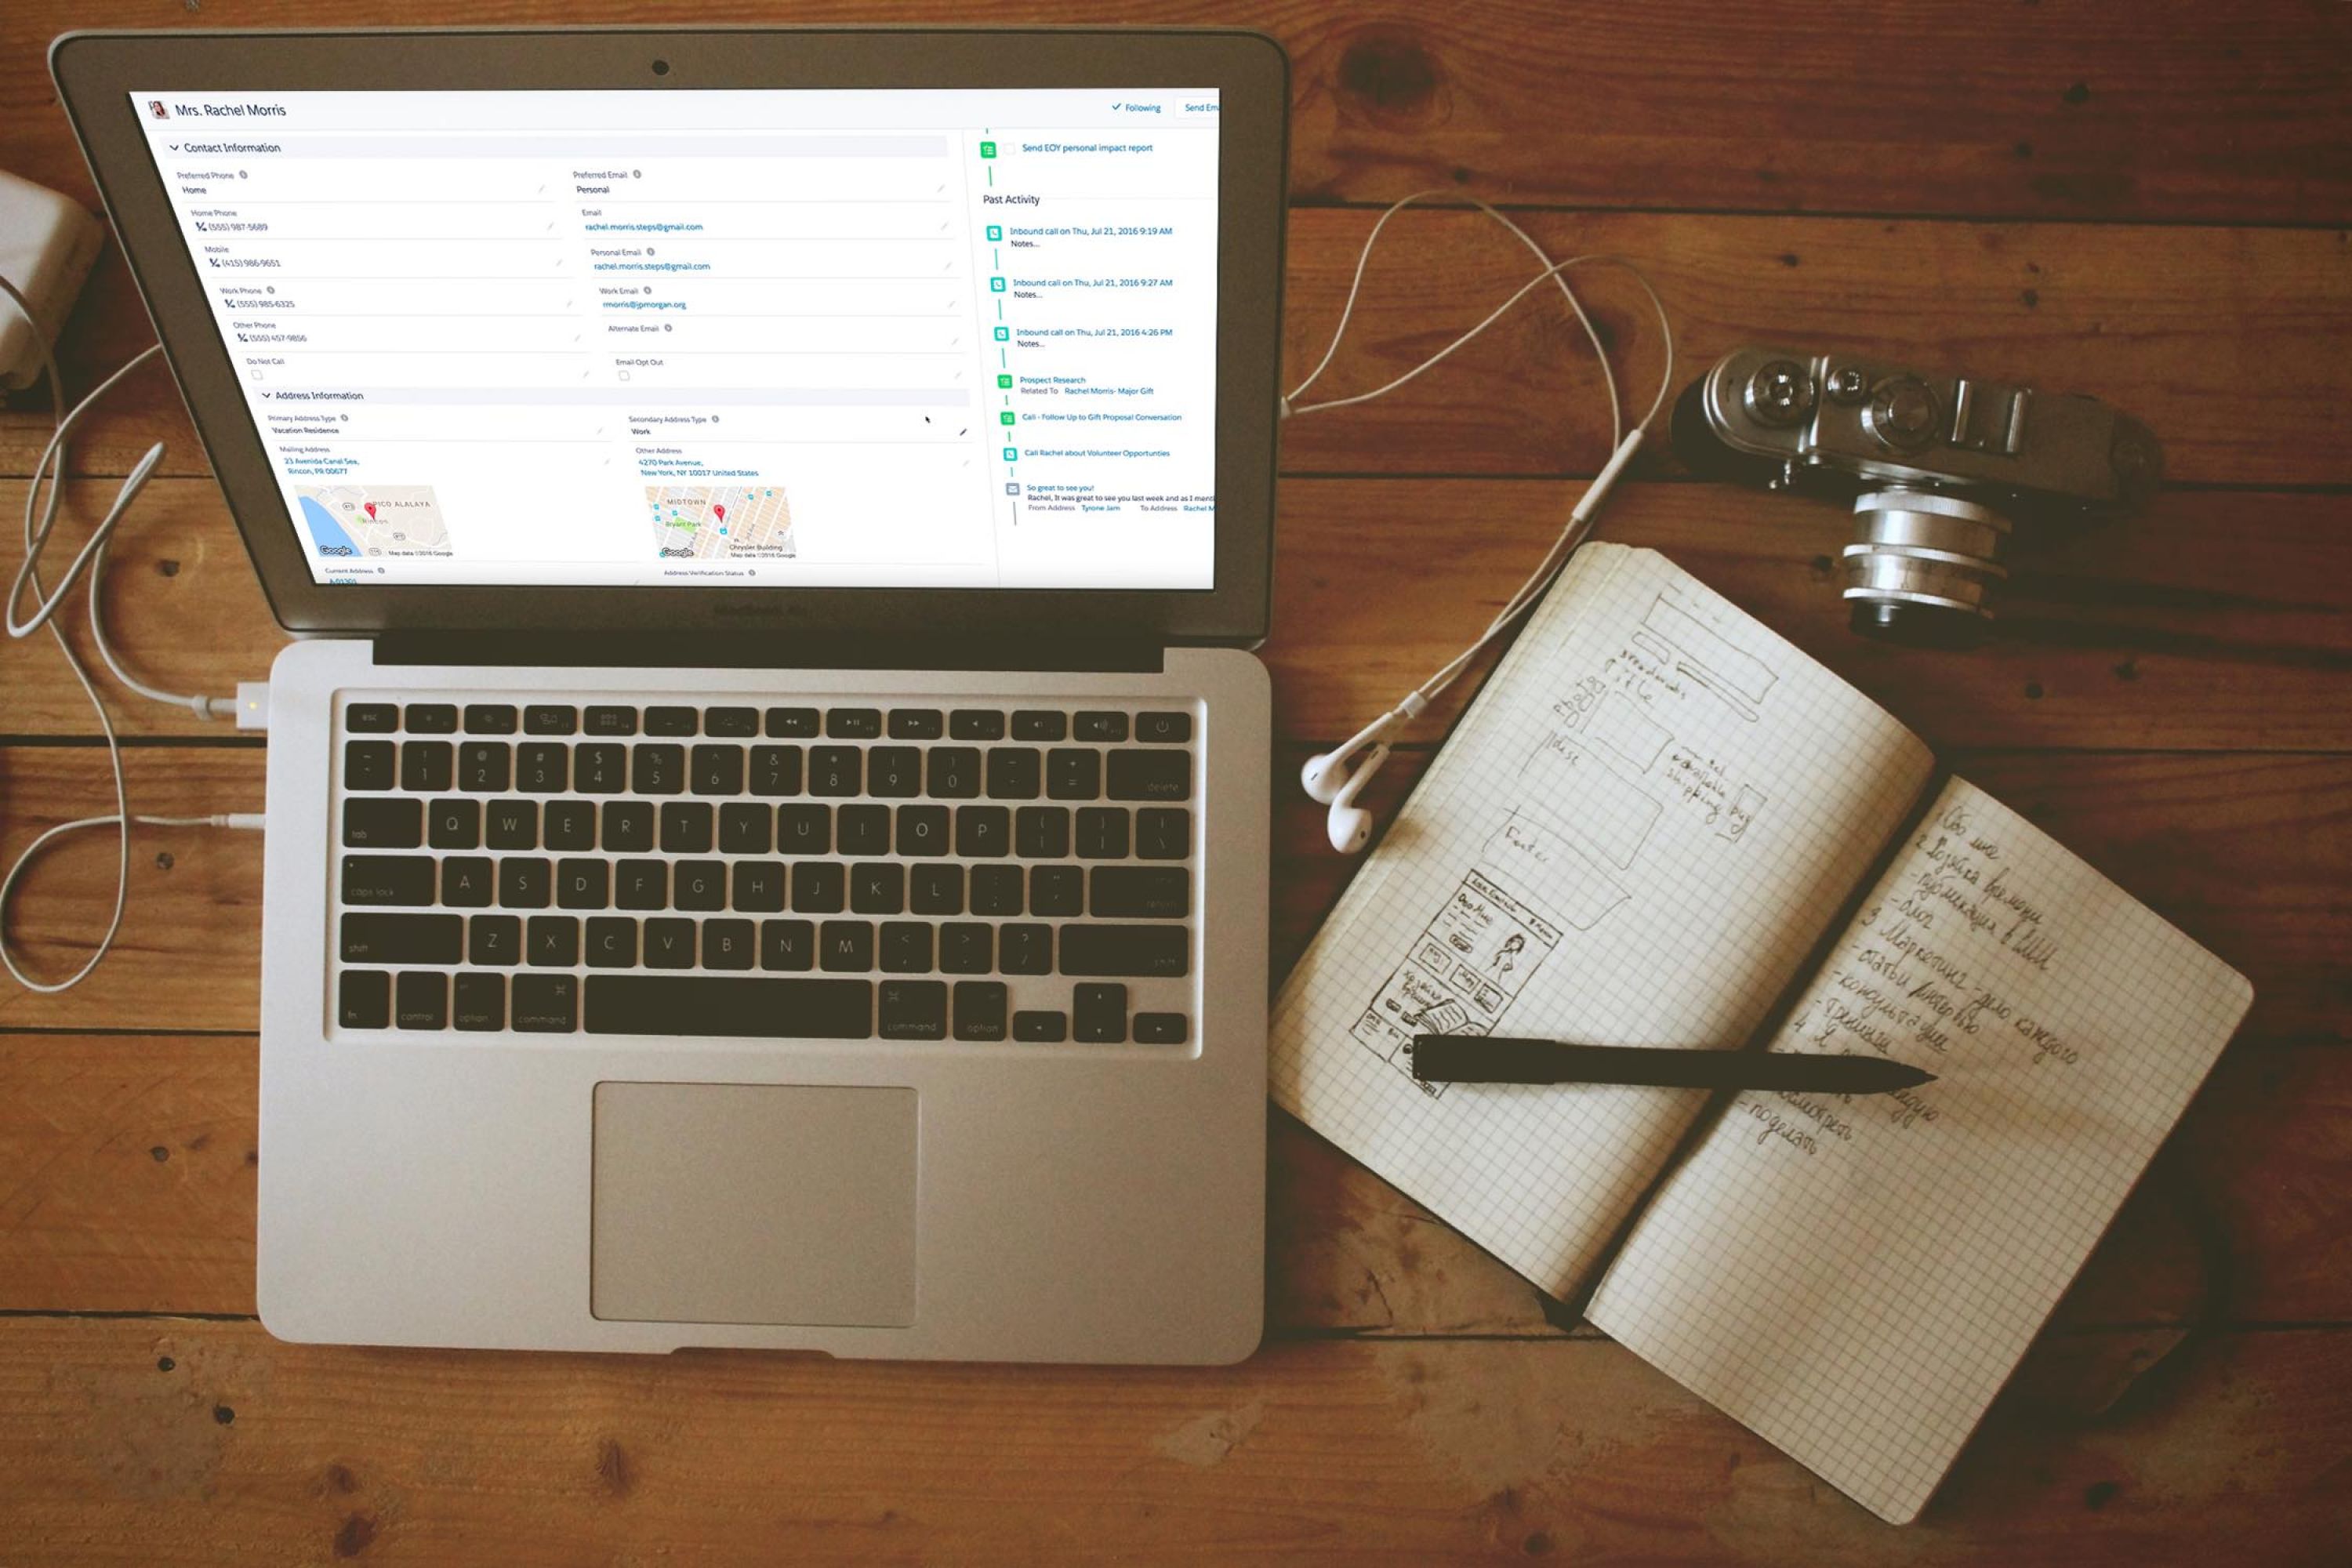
x: 661, y: 67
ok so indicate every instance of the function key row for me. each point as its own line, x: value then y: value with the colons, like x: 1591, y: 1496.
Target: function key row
x: 778, y: 723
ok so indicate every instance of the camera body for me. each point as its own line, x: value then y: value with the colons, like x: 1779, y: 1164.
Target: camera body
x: 1941, y: 469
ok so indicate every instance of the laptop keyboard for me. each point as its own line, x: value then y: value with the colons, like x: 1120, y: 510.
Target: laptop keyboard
x: 830, y: 872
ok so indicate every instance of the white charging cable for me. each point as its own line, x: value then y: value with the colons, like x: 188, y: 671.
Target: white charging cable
x: 1336, y: 778
x: 40, y: 520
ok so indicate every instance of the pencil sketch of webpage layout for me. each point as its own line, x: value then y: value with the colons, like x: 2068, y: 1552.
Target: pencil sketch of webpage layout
x: 1627, y: 744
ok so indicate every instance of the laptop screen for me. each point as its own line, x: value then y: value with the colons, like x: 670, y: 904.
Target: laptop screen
x: 841, y: 338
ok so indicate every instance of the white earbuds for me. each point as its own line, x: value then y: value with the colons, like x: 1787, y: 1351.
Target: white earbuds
x: 1351, y: 826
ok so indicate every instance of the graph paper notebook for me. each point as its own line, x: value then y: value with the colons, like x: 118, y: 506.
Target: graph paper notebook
x: 1642, y: 833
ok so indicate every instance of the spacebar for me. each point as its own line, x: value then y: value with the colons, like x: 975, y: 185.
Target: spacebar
x: 729, y: 1005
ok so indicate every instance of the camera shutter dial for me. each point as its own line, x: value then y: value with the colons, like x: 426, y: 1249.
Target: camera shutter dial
x: 1780, y: 393
x: 1903, y: 414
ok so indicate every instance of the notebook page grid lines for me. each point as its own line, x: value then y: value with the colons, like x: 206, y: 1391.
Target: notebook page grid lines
x: 1861, y: 1305
x: 1622, y: 843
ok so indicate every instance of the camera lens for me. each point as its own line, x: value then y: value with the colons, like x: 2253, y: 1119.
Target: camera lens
x: 661, y: 67
x: 1921, y: 565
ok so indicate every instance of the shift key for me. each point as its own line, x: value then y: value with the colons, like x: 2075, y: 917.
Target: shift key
x: 1153, y: 950
x: 403, y: 939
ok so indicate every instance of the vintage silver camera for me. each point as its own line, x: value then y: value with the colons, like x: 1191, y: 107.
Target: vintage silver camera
x: 1940, y: 469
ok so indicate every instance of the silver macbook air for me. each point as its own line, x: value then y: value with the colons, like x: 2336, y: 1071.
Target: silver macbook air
x: 768, y: 805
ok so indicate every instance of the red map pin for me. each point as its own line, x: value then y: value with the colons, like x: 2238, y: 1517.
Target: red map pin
x: 718, y: 511
x: 371, y: 509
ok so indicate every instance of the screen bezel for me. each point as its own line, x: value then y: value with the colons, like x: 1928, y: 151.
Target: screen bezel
x: 97, y: 72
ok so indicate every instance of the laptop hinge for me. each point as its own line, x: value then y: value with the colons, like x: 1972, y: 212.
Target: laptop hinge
x: 729, y: 650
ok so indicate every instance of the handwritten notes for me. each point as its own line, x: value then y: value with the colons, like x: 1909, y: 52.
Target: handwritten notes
x: 1855, y: 1277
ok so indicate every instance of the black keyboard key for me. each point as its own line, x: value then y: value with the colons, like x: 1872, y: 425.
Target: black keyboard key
x: 1014, y: 773
x: 628, y: 827
x: 853, y: 723
x: 493, y: 940
x: 467, y: 881
x: 371, y: 718
x: 583, y: 884
x: 489, y: 719
x: 482, y: 1002
x: 1164, y: 951
x: 877, y: 888
x: 1074, y: 775
x: 803, y: 829
x: 525, y: 882
x: 935, y: 889
x: 976, y: 724
x: 983, y: 832
x: 553, y: 941
x: 787, y: 944
x: 1100, y: 727
x: 1102, y: 833
x: 845, y: 946
x: 979, y: 1009
x: 401, y: 939
x: 421, y: 1001
x: 672, y: 722
x: 1159, y: 1028
x: 745, y: 828
x: 600, y: 767
x: 775, y: 770
x: 699, y: 884
x: 669, y: 942
x: 1146, y: 893
x: 894, y: 772
x: 862, y: 829
x: 1058, y: 891
x: 686, y: 828
x: 906, y: 947
x: 967, y: 948
x: 996, y: 889
x: 656, y: 767
x: 791, y: 723
x: 1024, y: 948
x: 914, y: 1010
x: 917, y: 725
x: 611, y: 722
x: 453, y: 824
x: 571, y: 824
x: 388, y: 880
x: 363, y: 999
x: 731, y: 721
x: 1041, y: 832
x: 549, y: 719
x: 430, y: 718
x: 510, y: 824
x: 1052, y: 1028
x: 1163, y: 833
x: 368, y: 764
x: 546, y: 1003
x: 819, y: 887
x: 718, y: 769
x: 641, y: 885
x: 612, y: 942
x: 954, y: 773
x: 922, y: 829
x: 729, y: 944
x: 426, y: 765
x: 1151, y: 775
x: 1038, y: 724
x: 729, y: 1005
x: 834, y: 770
x: 759, y: 887
x: 1163, y: 729
x: 543, y: 767
x: 1098, y: 1014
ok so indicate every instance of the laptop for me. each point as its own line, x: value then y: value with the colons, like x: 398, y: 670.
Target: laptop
x: 767, y: 802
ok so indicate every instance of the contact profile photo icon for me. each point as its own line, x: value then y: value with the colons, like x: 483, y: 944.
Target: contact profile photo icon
x: 155, y: 108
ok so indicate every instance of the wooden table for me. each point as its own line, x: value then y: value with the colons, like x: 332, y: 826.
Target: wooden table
x: 2146, y: 203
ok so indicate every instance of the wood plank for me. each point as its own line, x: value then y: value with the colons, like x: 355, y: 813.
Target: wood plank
x: 2219, y: 621
x: 117, y: 1434
x: 2241, y: 392
x: 2171, y: 109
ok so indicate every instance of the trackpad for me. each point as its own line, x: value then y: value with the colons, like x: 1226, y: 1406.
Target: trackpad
x: 719, y: 1203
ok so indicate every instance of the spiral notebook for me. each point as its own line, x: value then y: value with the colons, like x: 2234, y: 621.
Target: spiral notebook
x: 1661, y: 824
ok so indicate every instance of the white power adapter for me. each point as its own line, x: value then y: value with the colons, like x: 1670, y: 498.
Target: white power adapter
x: 47, y: 244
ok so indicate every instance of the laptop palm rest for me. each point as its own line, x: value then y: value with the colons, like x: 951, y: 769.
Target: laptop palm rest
x: 754, y: 1203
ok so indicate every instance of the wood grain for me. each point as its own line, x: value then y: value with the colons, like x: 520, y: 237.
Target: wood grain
x: 2218, y: 622
x: 2225, y: 340
x: 117, y: 1434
